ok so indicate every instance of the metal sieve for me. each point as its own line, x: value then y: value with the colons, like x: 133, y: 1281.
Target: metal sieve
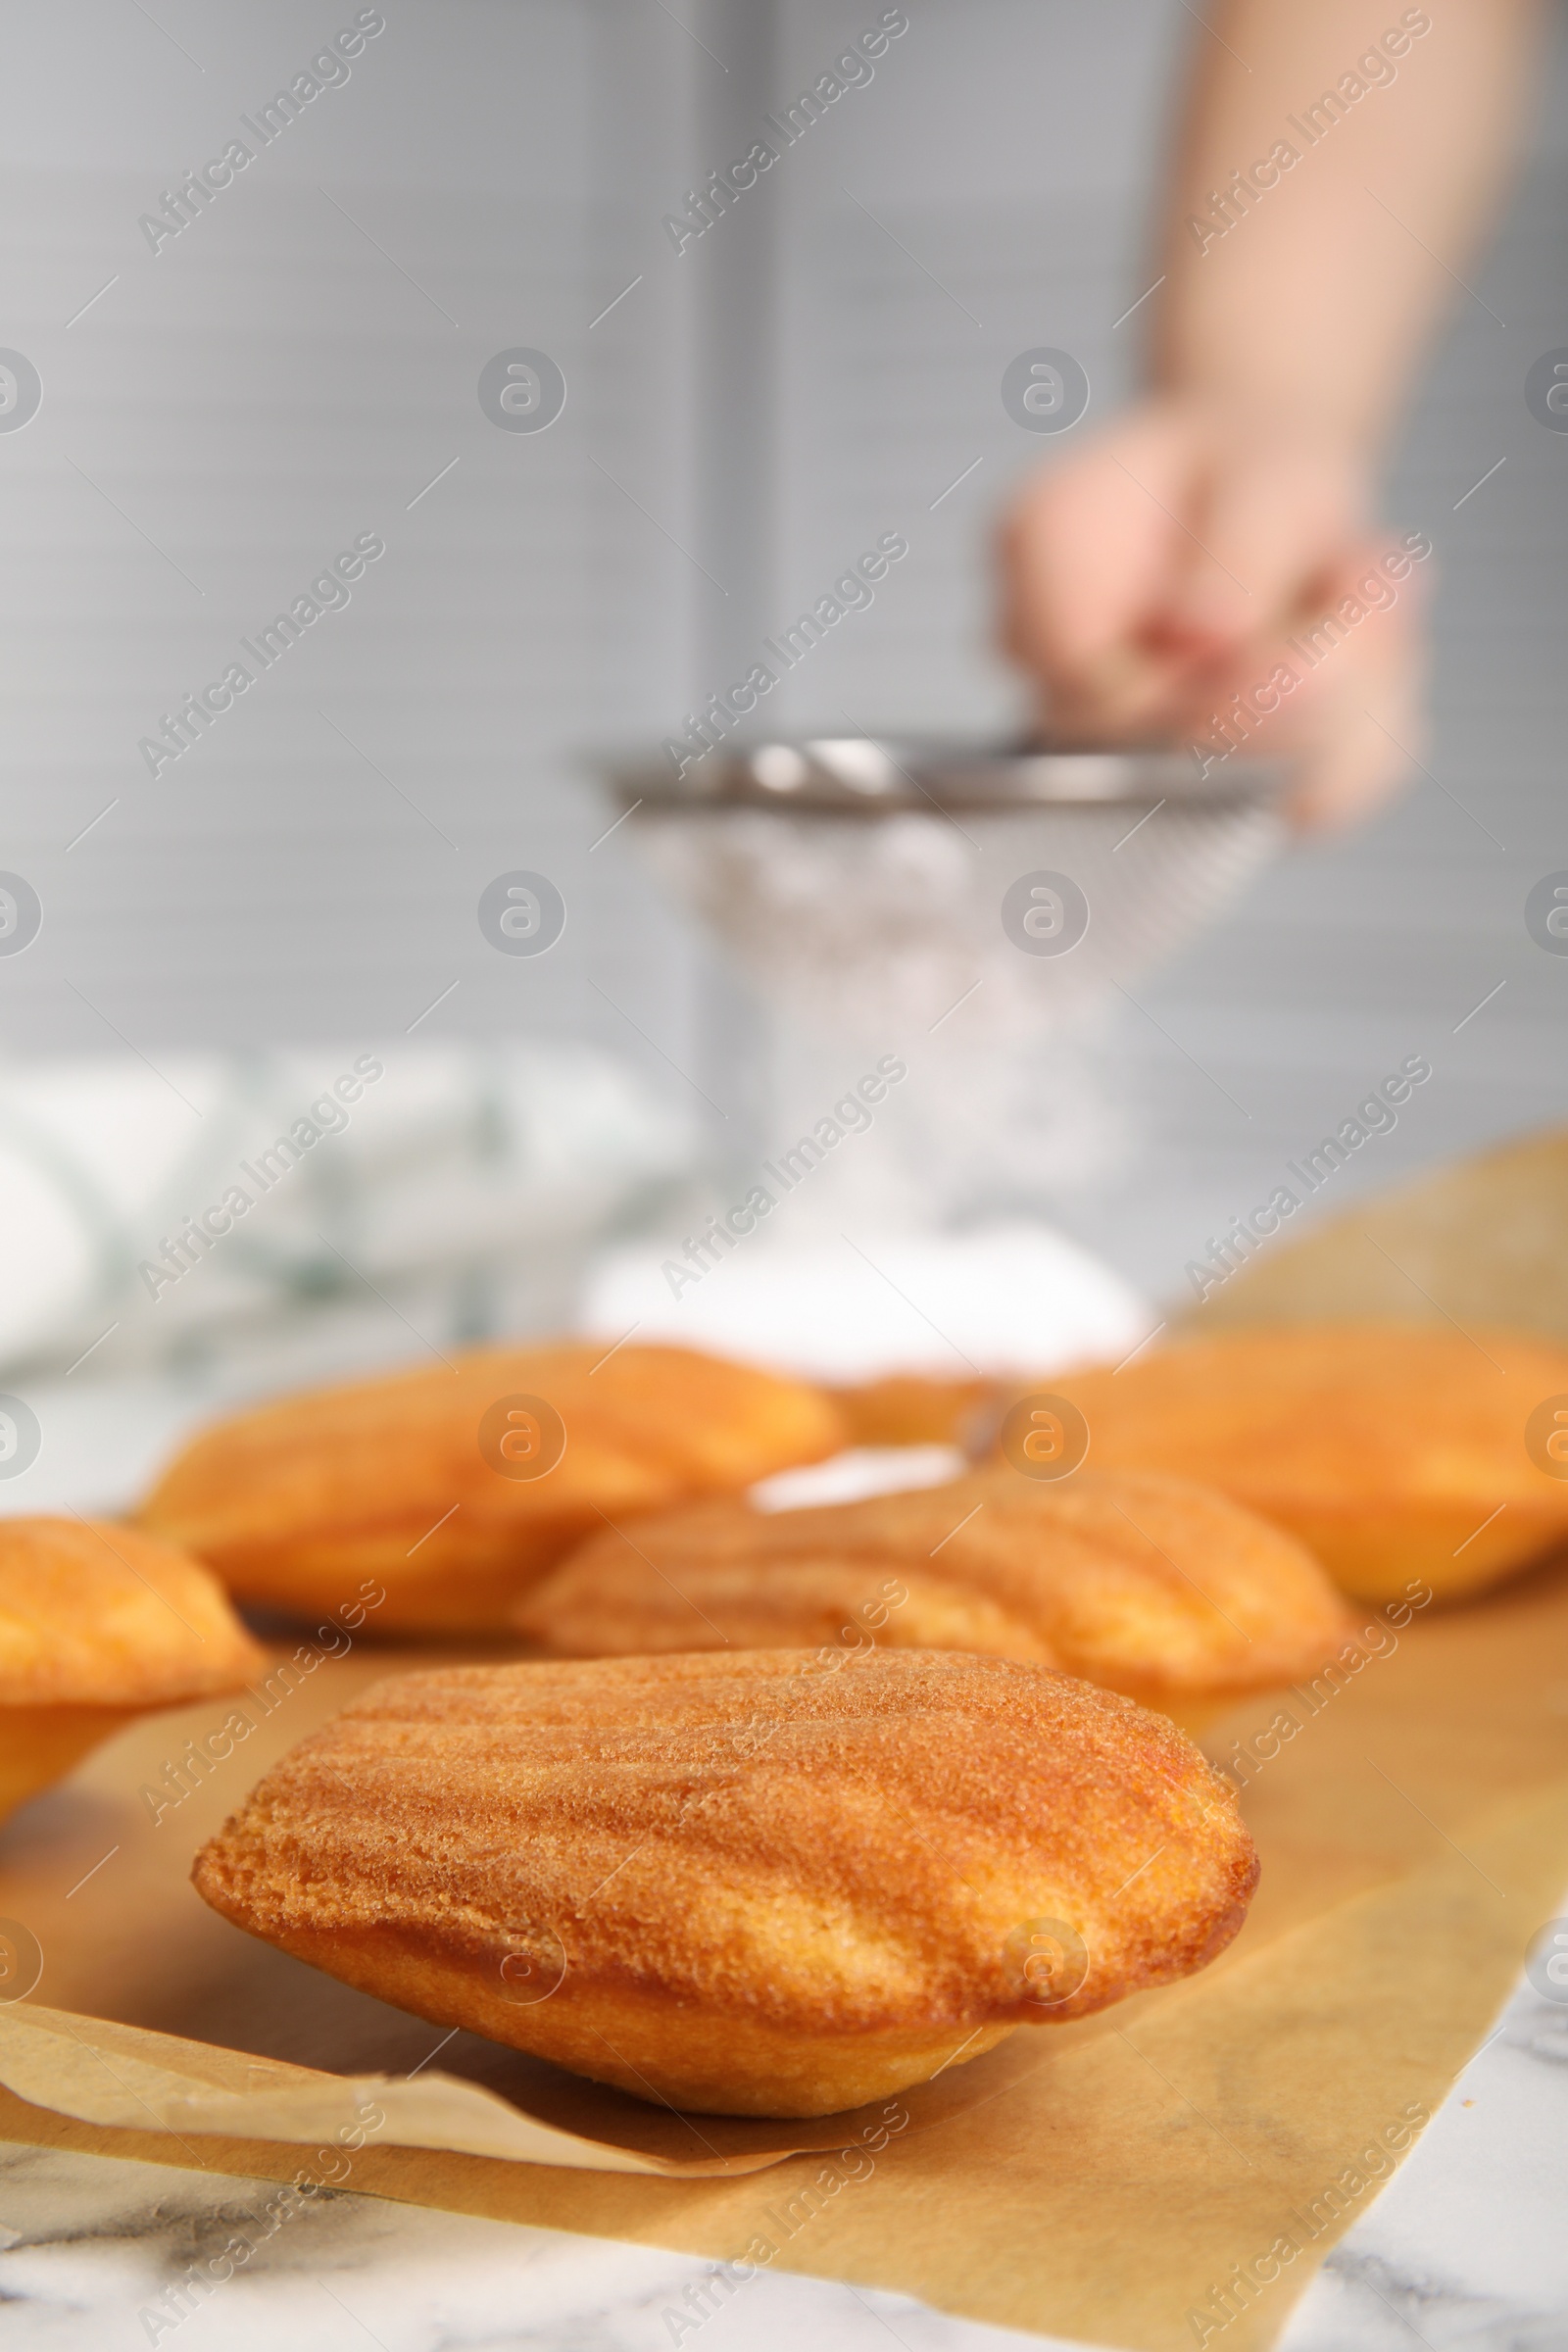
x: 865, y: 775
x: 866, y: 882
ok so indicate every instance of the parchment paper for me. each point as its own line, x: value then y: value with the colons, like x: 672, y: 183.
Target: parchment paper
x: 1483, y: 1241
x: 1414, y: 1836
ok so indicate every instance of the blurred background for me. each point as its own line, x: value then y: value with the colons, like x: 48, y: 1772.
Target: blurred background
x: 299, y: 366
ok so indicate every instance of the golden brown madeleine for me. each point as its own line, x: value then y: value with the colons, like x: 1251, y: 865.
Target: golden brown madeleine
x: 764, y: 1884
x: 99, y: 1623
x: 1385, y: 1446
x: 457, y: 1487
x: 911, y: 1408
x: 1149, y: 1586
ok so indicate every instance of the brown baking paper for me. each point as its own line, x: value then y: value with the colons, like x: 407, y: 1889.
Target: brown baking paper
x: 1166, y: 2173
x: 511, y: 2107
x: 1107, y: 2175
x: 1484, y: 1241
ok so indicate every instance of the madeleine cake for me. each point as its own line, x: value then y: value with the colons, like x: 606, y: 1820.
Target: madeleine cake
x: 756, y: 1883
x: 1401, y: 1453
x: 1164, y: 1591
x: 97, y: 1623
x: 912, y: 1408
x: 458, y: 1486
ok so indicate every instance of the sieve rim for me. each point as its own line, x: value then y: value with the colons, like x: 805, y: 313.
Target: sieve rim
x: 876, y: 775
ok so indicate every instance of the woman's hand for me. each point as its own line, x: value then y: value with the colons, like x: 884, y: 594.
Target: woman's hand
x: 1193, y: 554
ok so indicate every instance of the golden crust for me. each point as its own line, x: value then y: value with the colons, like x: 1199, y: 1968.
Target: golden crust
x: 1147, y: 1586
x: 1384, y: 1446
x: 94, y: 1615
x: 295, y: 1503
x: 750, y: 1883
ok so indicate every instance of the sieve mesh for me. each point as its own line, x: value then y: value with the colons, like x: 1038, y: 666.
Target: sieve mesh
x: 868, y: 926
x: 871, y: 892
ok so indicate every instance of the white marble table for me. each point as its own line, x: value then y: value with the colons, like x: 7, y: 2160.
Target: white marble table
x: 1467, y: 2247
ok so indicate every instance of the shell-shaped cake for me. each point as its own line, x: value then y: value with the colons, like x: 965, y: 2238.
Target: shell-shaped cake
x: 455, y: 1487
x: 99, y: 1623
x: 1400, y: 1454
x: 765, y: 1884
x: 1149, y: 1586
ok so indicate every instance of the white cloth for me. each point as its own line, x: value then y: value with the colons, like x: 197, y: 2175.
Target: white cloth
x: 470, y: 1177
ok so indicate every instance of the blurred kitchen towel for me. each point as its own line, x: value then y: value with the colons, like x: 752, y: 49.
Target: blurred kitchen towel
x: 150, y: 1216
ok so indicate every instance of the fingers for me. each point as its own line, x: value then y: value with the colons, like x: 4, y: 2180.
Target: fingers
x: 1338, y: 693
x: 1087, y: 554
x: 1370, y: 728
x: 1271, y: 515
x: 1198, y: 579
x: 1360, y: 764
x: 1179, y: 537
